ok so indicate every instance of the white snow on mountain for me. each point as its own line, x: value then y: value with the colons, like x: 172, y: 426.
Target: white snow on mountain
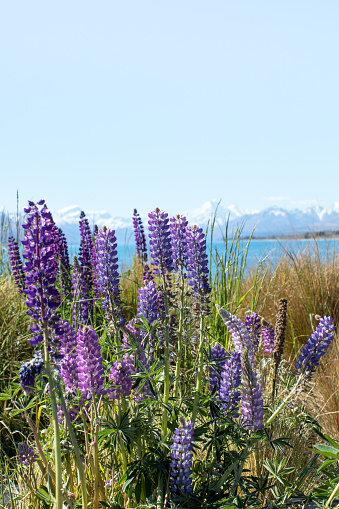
x: 271, y: 221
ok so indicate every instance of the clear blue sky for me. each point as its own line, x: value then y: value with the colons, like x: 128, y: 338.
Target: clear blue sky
x: 115, y: 105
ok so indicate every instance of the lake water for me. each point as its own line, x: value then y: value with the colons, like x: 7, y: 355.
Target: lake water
x: 270, y: 250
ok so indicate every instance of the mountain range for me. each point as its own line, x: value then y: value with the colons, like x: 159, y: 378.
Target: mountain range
x: 272, y: 221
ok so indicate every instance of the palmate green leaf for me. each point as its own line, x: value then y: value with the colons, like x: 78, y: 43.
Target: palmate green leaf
x: 327, y: 451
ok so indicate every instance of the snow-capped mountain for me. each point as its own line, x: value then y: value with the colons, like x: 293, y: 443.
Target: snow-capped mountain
x: 271, y: 221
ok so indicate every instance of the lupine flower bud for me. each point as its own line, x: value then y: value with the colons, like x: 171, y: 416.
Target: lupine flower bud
x: 178, y: 227
x: 25, y: 454
x: 217, y: 352
x: 197, y: 261
x: 90, y: 368
x: 181, y: 458
x: 252, y: 322
x: 316, y: 345
x: 159, y: 243
x: 230, y: 381
x: 139, y: 234
x: 16, y: 264
x: 29, y: 371
x: 107, y: 267
x: 252, y: 408
x: 42, y: 296
x: 80, y: 295
x: 267, y: 332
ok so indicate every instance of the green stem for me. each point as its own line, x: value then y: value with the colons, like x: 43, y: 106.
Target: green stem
x: 98, y: 484
x: 200, y: 370
x: 167, y: 365
x: 286, y: 400
x: 57, y: 445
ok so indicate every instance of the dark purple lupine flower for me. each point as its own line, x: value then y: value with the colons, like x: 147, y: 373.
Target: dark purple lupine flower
x: 90, y: 368
x: 65, y: 266
x: 148, y: 302
x: 68, y: 351
x: 178, y: 225
x: 29, y: 371
x: 147, y: 275
x: 197, y: 263
x: 139, y: 234
x: 229, y: 395
x: 42, y: 296
x: 86, y: 254
x: 252, y: 322
x: 252, y: 408
x: 267, y: 332
x: 218, y: 357
x: 107, y: 268
x: 16, y: 264
x: 120, y: 376
x: 181, y: 459
x: 316, y: 345
x: 160, y: 243
x: 25, y: 454
x: 80, y: 295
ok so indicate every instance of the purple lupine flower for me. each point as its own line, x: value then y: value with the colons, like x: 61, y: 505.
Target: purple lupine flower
x: 218, y: 357
x: 252, y: 408
x: 25, y: 454
x: 197, y: 263
x: 148, y: 302
x: 16, y: 264
x: 86, y: 254
x: 316, y: 345
x: 147, y: 275
x: 80, y: 295
x: 159, y: 243
x: 65, y: 266
x: 267, y: 332
x: 29, y: 371
x: 42, y: 296
x: 229, y: 396
x: 68, y: 351
x: 181, y: 458
x: 90, y: 368
x: 252, y: 322
x: 107, y: 268
x: 178, y: 225
x: 120, y: 376
x: 139, y: 234
x: 239, y: 332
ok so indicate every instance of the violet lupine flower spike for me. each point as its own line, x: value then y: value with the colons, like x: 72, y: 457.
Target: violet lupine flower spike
x: 197, y: 264
x: 69, y: 361
x: 140, y: 239
x: 267, y: 332
x: 252, y: 408
x: 252, y: 322
x: 316, y: 346
x: 16, y: 264
x: 229, y: 394
x: 120, y: 376
x: 42, y: 296
x: 65, y: 266
x: 178, y: 225
x: 239, y: 332
x: 181, y: 458
x: 159, y: 243
x: 148, y: 302
x: 29, y: 371
x: 108, y: 272
x: 80, y: 295
x: 90, y: 368
x: 86, y: 255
